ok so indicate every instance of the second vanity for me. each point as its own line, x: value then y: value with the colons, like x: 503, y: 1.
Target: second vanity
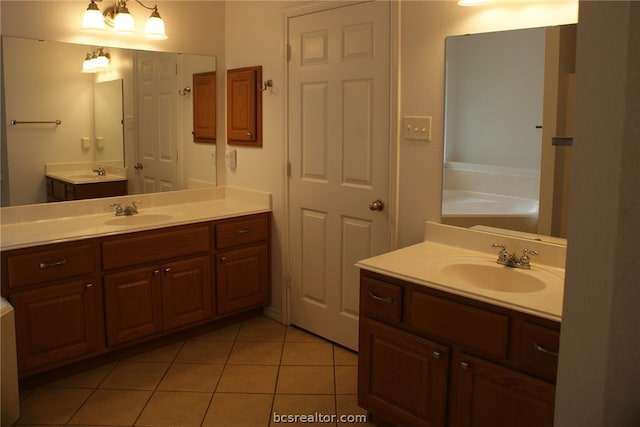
x: 450, y: 338
x: 79, y: 181
x: 90, y: 283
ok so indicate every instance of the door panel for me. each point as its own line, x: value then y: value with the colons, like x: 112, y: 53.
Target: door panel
x: 339, y: 154
x: 157, y: 131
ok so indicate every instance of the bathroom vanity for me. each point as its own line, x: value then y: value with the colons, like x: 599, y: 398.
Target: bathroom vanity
x: 438, y: 349
x: 107, y: 282
x: 80, y: 181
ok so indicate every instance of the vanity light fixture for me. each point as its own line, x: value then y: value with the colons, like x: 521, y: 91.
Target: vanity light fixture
x: 118, y: 18
x: 95, y: 61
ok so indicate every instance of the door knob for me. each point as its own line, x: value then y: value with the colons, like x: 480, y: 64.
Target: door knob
x: 138, y: 166
x: 376, y: 205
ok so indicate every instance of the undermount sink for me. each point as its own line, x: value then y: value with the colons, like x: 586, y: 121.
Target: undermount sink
x: 486, y: 274
x: 138, y: 219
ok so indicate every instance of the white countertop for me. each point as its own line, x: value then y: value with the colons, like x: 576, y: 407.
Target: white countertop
x: 67, y: 221
x: 418, y: 264
x: 83, y: 173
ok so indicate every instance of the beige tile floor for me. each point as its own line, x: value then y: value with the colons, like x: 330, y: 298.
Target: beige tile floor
x: 237, y: 376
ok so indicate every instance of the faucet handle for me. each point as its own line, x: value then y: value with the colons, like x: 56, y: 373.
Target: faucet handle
x: 118, y: 206
x: 135, y: 203
x: 503, y: 257
x: 524, y: 259
x: 502, y: 246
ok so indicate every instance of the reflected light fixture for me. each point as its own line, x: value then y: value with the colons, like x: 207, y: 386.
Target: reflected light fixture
x: 121, y: 21
x: 95, y: 61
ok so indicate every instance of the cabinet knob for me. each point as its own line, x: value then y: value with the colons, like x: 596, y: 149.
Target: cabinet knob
x: 436, y: 354
x: 167, y: 270
x: 464, y: 365
x: 223, y: 258
x: 249, y: 134
x: 88, y: 286
x: 156, y: 272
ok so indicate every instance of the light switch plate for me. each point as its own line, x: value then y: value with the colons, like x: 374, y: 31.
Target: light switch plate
x: 417, y: 128
x: 230, y: 158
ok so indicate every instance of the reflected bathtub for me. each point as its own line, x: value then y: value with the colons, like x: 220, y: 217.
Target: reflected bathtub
x: 469, y: 208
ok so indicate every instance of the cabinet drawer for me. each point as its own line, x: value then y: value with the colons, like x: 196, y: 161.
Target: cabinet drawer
x: 380, y: 299
x: 49, y: 265
x: 242, y: 231
x: 154, y: 246
x: 474, y: 328
x: 538, y: 350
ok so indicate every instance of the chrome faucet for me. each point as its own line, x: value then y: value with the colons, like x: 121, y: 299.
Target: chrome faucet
x: 99, y: 171
x: 131, y: 209
x: 513, y: 260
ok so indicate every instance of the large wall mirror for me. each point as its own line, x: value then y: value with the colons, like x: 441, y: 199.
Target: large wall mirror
x: 134, y: 116
x: 508, y: 99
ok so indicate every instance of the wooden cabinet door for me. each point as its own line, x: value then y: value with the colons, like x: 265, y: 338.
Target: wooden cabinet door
x: 204, y: 107
x: 244, y: 106
x: 242, y: 279
x: 187, y: 292
x: 133, y: 304
x: 401, y: 377
x: 56, y: 323
x: 485, y: 394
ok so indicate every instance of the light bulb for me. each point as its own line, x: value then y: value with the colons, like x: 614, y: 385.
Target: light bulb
x: 155, y: 27
x: 92, y: 18
x: 123, y: 22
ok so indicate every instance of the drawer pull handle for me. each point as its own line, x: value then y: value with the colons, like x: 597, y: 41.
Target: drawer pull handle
x: 464, y: 365
x: 243, y: 231
x: 388, y: 300
x: 44, y: 265
x: 538, y: 347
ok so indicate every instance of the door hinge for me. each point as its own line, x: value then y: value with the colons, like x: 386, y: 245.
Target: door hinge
x: 287, y: 49
x: 288, y: 279
x: 288, y: 169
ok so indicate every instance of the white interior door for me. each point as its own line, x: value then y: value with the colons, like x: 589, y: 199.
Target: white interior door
x: 157, y: 112
x: 339, y: 155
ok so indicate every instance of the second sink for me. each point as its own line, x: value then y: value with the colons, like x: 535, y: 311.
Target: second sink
x: 478, y: 272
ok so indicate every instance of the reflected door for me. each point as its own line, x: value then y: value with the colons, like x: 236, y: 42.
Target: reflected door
x: 157, y: 125
x: 339, y: 148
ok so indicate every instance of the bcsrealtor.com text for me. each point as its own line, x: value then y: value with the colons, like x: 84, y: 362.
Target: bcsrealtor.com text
x: 319, y: 417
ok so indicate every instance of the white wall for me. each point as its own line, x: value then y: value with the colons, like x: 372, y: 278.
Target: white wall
x: 254, y: 36
x: 599, y: 375
x: 61, y: 93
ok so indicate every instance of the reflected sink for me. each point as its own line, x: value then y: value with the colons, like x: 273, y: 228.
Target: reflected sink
x: 138, y: 219
x: 486, y: 274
